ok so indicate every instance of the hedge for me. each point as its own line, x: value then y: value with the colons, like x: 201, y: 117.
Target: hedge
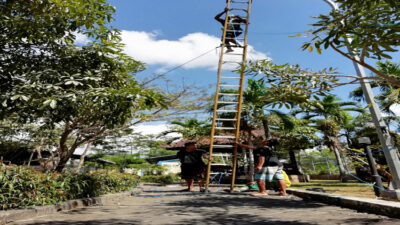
x: 22, y: 186
x: 163, y: 179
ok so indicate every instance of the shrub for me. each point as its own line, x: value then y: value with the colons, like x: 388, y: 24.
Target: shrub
x: 164, y: 179
x: 23, y: 186
x: 148, y: 169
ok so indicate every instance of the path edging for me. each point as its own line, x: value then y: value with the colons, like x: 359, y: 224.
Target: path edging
x: 22, y: 214
x: 380, y: 207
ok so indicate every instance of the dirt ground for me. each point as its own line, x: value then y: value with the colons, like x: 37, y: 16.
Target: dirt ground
x: 167, y: 205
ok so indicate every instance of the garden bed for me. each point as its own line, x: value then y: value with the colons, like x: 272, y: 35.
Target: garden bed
x: 23, y: 186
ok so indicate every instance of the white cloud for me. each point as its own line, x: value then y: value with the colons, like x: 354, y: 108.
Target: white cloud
x: 145, y: 47
x: 81, y: 39
x: 395, y: 109
x: 154, y: 129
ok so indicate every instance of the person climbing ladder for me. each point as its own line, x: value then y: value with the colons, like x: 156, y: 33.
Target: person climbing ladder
x: 233, y: 29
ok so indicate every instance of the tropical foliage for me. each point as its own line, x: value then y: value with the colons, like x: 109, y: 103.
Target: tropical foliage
x: 371, y: 24
x: 333, y: 114
x: 49, y: 81
x: 22, y: 186
x: 190, y: 128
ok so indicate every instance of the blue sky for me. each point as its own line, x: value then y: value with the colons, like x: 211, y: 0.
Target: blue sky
x: 166, y: 33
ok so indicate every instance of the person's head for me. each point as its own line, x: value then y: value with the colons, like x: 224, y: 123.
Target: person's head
x: 231, y: 17
x: 190, y: 146
x: 272, y: 142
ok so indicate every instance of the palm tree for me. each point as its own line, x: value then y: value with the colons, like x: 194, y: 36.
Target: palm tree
x: 388, y: 94
x: 255, y: 101
x: 190, y: 128
x: 333, y: 113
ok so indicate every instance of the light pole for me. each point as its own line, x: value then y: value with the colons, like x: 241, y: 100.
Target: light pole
x: 365, y: 141
x: 389, y: 150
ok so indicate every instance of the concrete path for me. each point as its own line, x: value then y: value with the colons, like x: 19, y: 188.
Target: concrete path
x: 165, y: 205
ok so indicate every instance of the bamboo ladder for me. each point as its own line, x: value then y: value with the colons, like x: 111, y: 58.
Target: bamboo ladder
x: 230, y: 102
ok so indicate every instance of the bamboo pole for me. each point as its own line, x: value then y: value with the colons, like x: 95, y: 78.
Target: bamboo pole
x: 239, y: 105
x: 216, y: 97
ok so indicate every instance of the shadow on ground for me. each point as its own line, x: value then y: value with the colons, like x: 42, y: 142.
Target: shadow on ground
x: 248, y: 201
x: 95, y: 222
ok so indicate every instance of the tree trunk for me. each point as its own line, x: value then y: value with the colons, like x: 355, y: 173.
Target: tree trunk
x: 265, y: 123
x: 339, y: 163
x: 38, y: 150
x: 82, y: 158
x: 30, y: 158
x: 293, y: 161
x: 63, y: 152
x: 251, y: 158
x: 64, y: 157
x: 245, y: 160
x: 349, y: 142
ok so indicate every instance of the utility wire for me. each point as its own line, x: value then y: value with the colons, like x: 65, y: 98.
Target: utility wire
x: 191, y: 60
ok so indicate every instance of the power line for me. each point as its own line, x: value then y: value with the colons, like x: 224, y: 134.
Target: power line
x: 191, y: 60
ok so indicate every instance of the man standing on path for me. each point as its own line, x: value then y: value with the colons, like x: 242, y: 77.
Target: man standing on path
x: 267, y: 166
x: 192, y: 165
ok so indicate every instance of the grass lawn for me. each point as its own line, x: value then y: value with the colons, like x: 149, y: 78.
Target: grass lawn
x: 351, y: 188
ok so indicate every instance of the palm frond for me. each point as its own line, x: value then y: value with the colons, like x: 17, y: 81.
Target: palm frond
x: 285, y: 118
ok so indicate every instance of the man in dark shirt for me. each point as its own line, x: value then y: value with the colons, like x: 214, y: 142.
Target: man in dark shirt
x: 267, y: 166
x: 192, y: 165
x: 233, y: 29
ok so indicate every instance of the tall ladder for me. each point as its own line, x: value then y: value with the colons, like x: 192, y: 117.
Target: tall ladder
x: 230, y: 102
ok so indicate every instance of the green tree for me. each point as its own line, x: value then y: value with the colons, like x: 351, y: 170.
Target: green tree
x: 86, y: 91
x: 290, y: 85
x: 257, y: 106
x: 299, y: 135
x: 190, y: 128
x: 388, y: 95
x: 334, y: 113
x: 372, y: 24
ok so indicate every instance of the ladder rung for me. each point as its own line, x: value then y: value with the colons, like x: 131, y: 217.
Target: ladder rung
x: 231, y: 62
x: 233, y: 53
x: 229, y: 85
x: 234, y: 31
x: 227, y: 137
x: 223, y: 146
x: 228, y: 94
x: 225, y: 102
x: 225, y: 128
x: 245, y: 2
x: 230, y: 77
x: 233, y: 9
x: 225, y: 110
x: 235, y: 38
x: 223, y: 119
x: 238, y: 23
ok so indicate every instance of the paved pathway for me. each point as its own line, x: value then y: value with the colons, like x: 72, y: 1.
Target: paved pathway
x: 165, y: 205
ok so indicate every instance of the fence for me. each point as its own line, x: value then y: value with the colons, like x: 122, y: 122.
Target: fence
x: 322, y: 163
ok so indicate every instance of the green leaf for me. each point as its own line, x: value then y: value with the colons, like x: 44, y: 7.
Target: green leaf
x: 53, y: 104
x: 25, y: 98
x: 15, y: 97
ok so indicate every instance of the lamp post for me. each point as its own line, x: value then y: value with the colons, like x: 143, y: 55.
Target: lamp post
x: 389, y: 150
x: 365, y: 141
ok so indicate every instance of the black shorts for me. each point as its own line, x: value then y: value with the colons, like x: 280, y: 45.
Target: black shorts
x: 233, y: 34
x: 189, y: 171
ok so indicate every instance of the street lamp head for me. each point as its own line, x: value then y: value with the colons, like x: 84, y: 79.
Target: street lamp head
x: 364, y: 140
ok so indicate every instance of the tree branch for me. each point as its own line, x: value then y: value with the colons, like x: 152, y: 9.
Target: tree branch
x: 391, y: 80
